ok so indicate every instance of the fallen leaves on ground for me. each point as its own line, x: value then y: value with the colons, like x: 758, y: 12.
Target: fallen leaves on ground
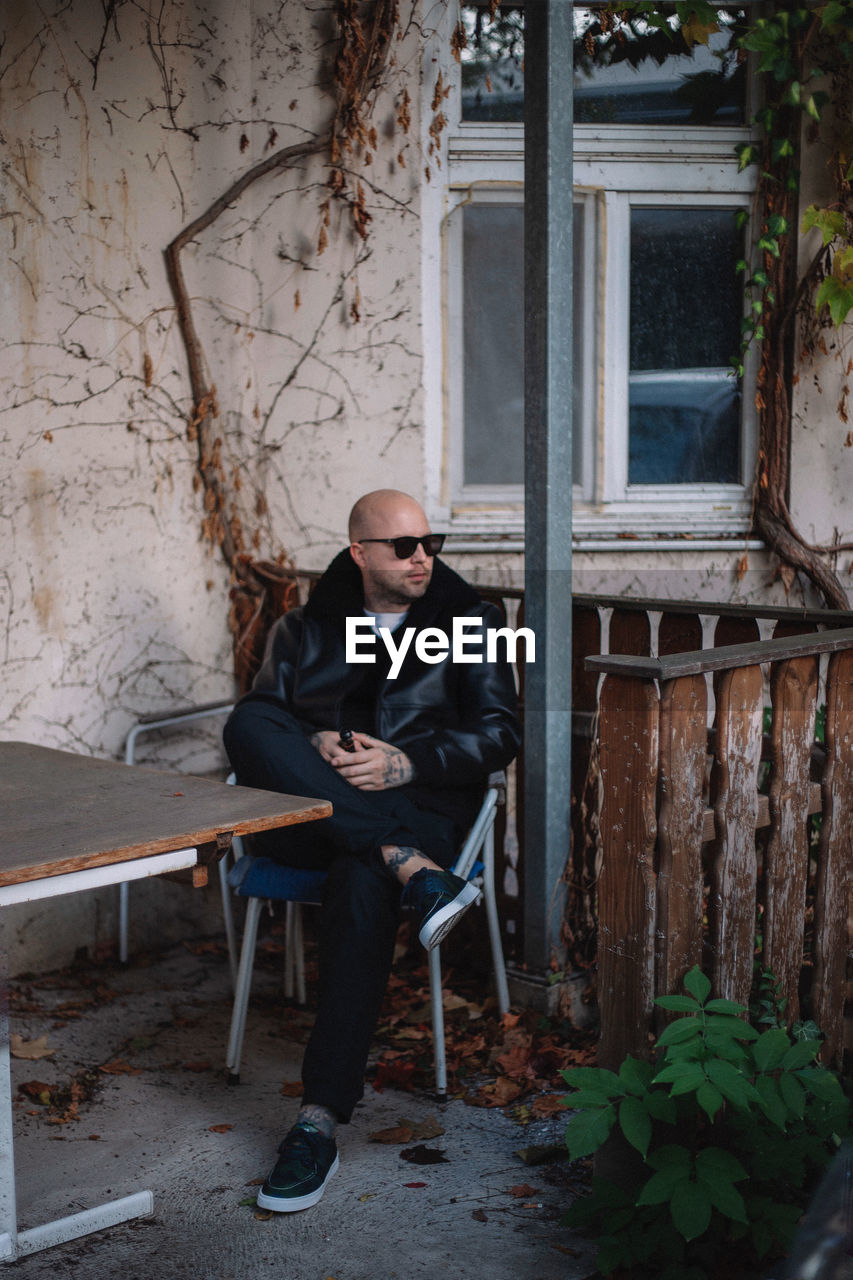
x: 523, y: 1191
x: 493, y: 1060
x: 38, y: 1090
x: 220, y: 1128
x: 31, y: 1050
x: 424, y: 1155
x: 407, y: 1130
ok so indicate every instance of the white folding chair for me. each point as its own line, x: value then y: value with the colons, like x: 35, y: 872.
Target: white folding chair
x: 264, y: 880
x: 147, y: 724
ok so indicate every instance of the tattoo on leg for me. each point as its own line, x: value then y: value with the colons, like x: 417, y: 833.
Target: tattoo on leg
x: 321, y: 1117
x: 395, y: 856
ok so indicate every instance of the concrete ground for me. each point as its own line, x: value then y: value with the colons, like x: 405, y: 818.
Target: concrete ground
x: 147, y: 1107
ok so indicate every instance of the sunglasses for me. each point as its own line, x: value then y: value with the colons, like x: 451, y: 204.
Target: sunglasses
x: 407, y: 546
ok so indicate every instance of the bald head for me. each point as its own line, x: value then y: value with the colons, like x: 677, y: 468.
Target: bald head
x: 376, y: 514
x: 390, y: 583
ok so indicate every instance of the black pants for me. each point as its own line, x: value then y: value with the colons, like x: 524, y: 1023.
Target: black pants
x: 268, y: 748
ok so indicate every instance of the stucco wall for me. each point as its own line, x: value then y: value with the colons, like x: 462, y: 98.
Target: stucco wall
x: 116, y: 134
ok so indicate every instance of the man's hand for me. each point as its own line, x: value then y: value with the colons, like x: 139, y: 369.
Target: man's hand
x: 373, y: 766
x: 326, y: 742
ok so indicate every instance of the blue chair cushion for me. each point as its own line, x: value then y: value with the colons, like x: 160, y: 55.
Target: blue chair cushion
x: 265, y: 878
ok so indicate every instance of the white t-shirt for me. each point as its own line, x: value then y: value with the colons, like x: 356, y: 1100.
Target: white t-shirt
x: 390, y: 620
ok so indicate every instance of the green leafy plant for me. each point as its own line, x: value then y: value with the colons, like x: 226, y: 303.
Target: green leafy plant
x: 731, y: 1126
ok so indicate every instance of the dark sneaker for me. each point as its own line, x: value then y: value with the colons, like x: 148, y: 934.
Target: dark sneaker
x: 306, y: 1162
x: 439, y: 899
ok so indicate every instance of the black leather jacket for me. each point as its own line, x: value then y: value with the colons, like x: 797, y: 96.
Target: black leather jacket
x: 456, y: 722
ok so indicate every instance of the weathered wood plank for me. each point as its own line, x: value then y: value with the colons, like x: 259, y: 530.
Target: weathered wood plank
x: 683, y: 738
x: 793, y: 693
x: 734, y: 872
x: 671, y: 666
x: 64, y: 812
x: 626, y: 891
x: 835, y: 858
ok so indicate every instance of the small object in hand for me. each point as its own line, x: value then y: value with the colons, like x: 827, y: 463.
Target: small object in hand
x: 346, y: 740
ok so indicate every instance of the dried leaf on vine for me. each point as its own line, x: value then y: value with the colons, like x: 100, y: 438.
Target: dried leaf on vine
x: 404, y: 113
x: 458, y: 41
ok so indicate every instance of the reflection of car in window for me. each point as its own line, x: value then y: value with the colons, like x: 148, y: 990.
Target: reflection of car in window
x: 684, y: 427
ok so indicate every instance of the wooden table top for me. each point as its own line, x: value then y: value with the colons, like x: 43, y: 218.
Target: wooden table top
x: 62, y: 812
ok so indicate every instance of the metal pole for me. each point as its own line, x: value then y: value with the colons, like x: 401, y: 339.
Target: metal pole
x: 548, y: 213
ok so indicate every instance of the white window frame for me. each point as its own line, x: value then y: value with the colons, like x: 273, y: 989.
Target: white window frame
x: 616, y: 168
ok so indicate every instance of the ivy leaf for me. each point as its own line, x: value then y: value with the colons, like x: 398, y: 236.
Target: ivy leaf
x: 690, y: 1207
x: 830, y: 222
x: 726, y: 1198
x: 730, y: 1007
x: 697, y: 984
x: 842, y: 265
x: 771, y: 1047
x: 716, y: 1162
x: 800, y: 1054
x: 770, y: 1100
x: 709, y: 1098
x: 793, y: 1093
x: 588, y: 1100
x: 838, y: 297
x: 636, y: 1124
x: 731, y: 1083
x: 823, y: 1084
x: 635, y: 1075
x: 587, y: 1130
x: 695, y: 31
x: 598, y: 1078
x: 747, y: 154
x: 679, y: 1032
x: 660, y: 1187
x: 677, y: 1004
x: 661, y: 1106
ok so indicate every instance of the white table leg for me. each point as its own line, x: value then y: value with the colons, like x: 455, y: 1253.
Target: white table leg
x: 140, y: 1205
x: 8, y: 1209
x: 15, y: 1244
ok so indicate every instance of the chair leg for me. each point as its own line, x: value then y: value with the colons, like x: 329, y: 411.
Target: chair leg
x: 437, y: 1022
x: 228, y: 917
x: 243, y: 987
x: 491, y: 904
x: 297, y: 941
x: 289, y: 956
x: 123, y: 897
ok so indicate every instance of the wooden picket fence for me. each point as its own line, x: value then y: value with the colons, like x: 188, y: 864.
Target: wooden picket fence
x: 705, y: 828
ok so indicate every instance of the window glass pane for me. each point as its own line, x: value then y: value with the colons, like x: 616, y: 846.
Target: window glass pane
x: 685, y: 310
x: 493, y: 64
x: 630, y: 80
x: 493, y: 342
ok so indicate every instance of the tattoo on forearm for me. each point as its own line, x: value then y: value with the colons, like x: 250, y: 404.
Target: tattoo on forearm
x: 396, y: 856
x: 316, y: 739
x: 397, y: 768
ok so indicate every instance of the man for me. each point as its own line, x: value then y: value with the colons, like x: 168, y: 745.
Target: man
x: 420, y: 738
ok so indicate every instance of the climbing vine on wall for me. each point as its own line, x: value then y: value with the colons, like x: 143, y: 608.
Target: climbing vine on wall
x: 803, y: 56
